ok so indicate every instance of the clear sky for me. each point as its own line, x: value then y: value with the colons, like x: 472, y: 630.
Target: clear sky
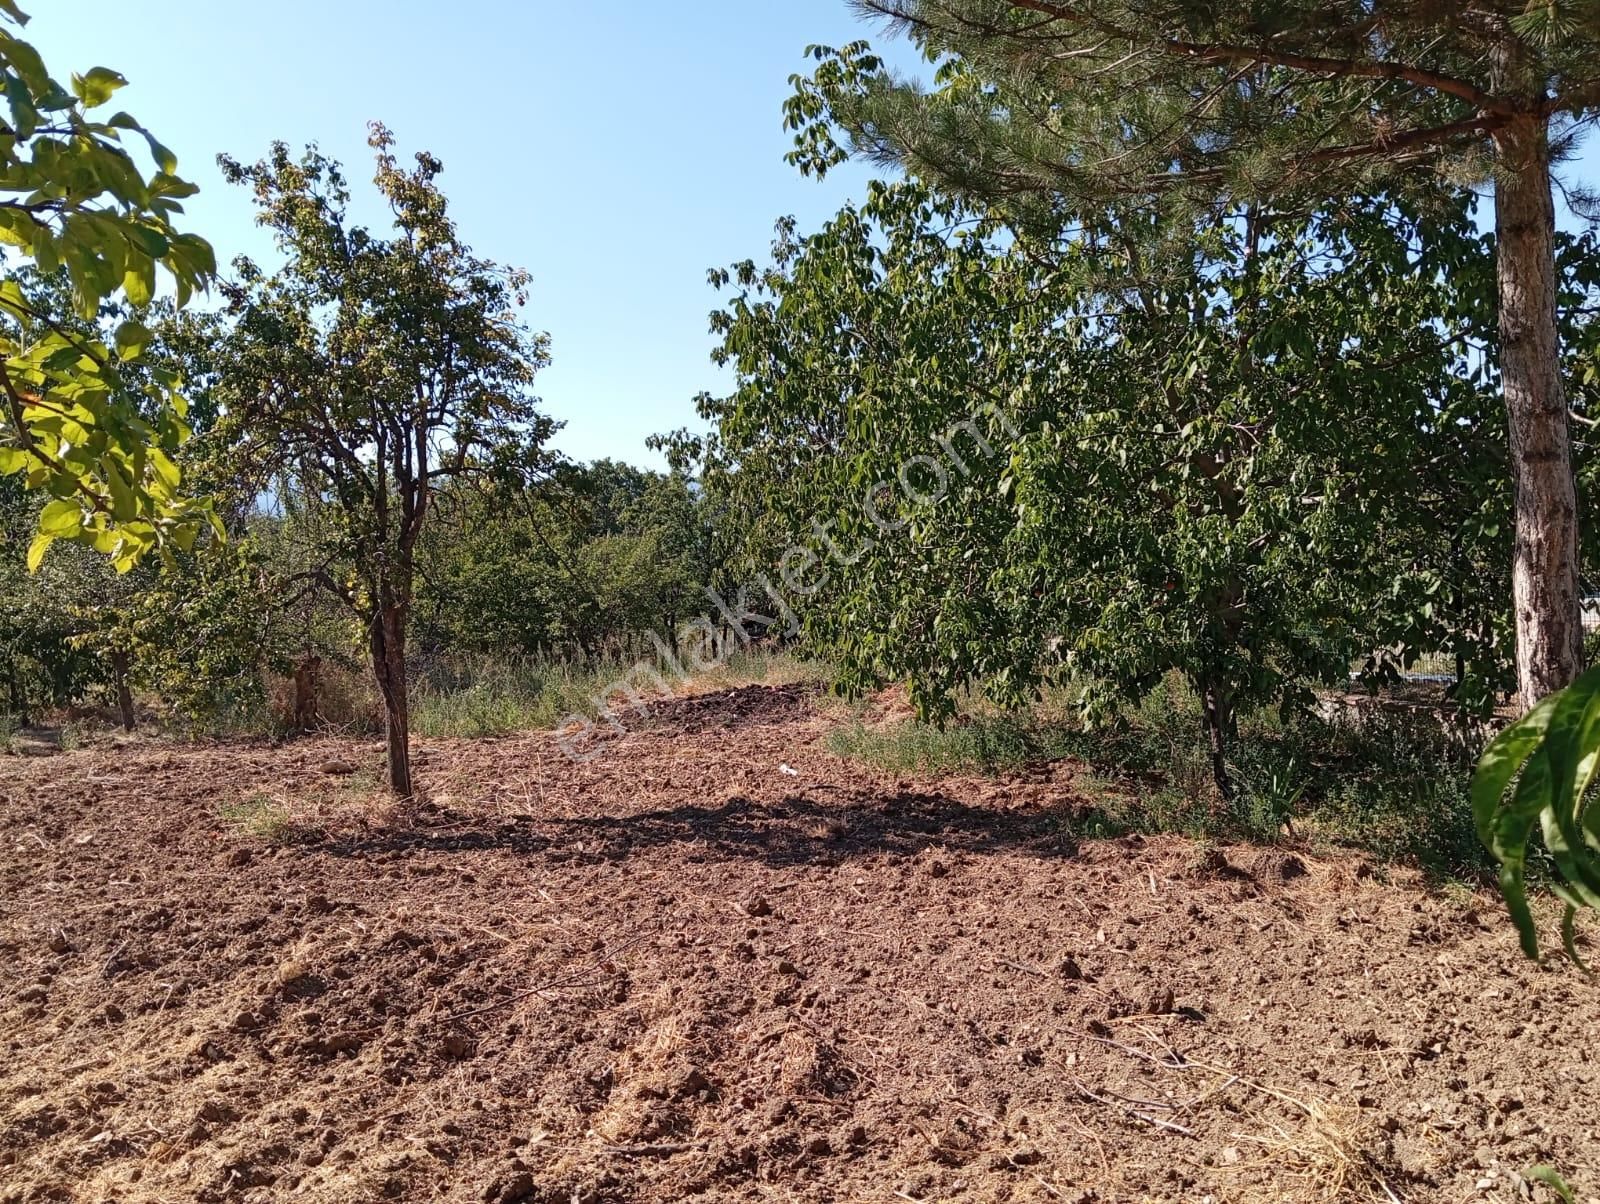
x: 614, y: 149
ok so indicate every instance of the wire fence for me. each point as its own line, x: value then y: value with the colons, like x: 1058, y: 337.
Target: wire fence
x: 1440, y: 669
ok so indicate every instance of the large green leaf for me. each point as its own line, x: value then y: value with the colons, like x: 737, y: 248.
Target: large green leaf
x: 1535, y: 775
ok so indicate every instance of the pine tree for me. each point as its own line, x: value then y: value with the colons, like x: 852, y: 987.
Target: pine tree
x: 1046, y: 107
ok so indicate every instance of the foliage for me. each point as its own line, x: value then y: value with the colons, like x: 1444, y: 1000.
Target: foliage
x: 1051, y: 110
x: 593, y: 552
x: 41, y: 665
x: 1535, y: 775
x: 84, y: 423
x: 200, y: 631
x: 1240, y: 449
x: 1052, y: 103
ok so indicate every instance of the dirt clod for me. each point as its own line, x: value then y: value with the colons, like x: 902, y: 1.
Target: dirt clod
x: 512, y: 1189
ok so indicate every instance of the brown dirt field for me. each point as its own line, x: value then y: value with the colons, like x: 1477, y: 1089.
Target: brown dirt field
x: 678, y: 972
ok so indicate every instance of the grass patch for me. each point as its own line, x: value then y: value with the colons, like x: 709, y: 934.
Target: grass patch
x: 989, y: 744
x: 487, y: 697
x: 258, y: 816
x: 483, y: 696
x: 759, y: 667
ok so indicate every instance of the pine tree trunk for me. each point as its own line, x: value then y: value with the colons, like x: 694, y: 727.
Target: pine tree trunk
x: 1544, y: 567
x: 119, y: 677
x: 389, y: 668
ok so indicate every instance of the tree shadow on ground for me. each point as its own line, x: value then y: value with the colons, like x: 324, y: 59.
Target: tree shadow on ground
x: 798, y: 829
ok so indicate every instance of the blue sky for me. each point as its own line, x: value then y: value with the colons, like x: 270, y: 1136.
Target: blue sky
x: 615, y: 150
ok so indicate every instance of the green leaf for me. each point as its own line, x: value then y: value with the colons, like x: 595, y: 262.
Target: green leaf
x: 1551, y: 1179
x: 132, y: 338
x: 166, y: 471
x: 165, y: 159
x: 24, y: 116
x: 124, y: 508
x: 61, y: 519
x: 151, y: 242
x: 1569, y: 938
x: 96, y: 86
x: 139, y: 282
x: 26, y: 60
x: 36, y: 550
x: 1553, y: 748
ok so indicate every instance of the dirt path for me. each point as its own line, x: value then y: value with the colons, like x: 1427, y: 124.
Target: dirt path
x: 678, y: 971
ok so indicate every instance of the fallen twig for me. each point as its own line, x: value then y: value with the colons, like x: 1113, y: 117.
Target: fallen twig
x: 1026, y: 969
x: 660, y: 1150
x: 1173, y: 1126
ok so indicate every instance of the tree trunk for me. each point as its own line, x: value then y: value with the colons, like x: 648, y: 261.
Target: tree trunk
x: 389, y: 667
x: 119, y: 679
x: 1544, y: 566
x: 1216, y: 708
x: 305, y: 693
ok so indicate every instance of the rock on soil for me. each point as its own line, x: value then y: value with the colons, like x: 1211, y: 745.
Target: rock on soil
x: 668, y: 973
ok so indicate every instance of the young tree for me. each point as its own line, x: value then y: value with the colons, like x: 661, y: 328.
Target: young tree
x: 76, y: 425
x: 369, y: 370
x: 1052, y: 105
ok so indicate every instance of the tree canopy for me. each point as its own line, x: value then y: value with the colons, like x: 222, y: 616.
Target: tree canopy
x: 366, y: 372
x: 1236, y: 449
x: 1049, y: 108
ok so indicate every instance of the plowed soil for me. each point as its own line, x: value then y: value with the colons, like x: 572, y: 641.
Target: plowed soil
x: 717, y: 963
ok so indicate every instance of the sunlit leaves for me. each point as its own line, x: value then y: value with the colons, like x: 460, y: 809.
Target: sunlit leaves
x: 97, y: 86
x: 76, y: 423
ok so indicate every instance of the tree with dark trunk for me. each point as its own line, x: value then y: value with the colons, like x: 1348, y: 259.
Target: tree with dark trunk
x: 119, y: 681
x: 1048, y: 108
x: 364, y: 373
